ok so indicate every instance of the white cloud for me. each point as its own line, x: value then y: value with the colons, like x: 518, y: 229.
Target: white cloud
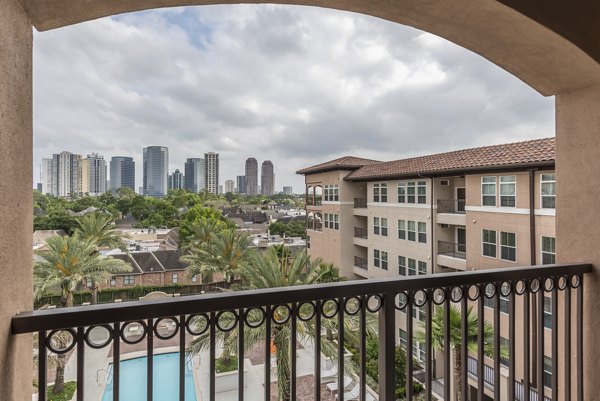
x: 295, y: 85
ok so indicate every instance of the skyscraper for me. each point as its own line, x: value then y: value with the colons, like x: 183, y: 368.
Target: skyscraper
x: 156, y: 164
x: 61, y: 175
x: 176, y: 180
x: 122, y: 172
x: 251, y: 177
x: 194, y: 174
x: 267, y: 178
x: 47, y: 176
x: 211, y: 176
x: 95, y: 174
x: 241, y: 184
x: 288, y: 191
x: 229, y: 186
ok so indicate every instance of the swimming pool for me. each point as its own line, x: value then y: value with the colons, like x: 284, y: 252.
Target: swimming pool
x: 165, y: 380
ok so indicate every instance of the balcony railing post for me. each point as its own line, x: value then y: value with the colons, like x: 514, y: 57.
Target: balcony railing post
x: 387, y: 328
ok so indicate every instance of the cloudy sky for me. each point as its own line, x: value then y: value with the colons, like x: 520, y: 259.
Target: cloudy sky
x: 295, y: 85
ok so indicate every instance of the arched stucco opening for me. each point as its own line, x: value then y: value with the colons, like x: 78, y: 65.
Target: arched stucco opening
x: 551, y: 47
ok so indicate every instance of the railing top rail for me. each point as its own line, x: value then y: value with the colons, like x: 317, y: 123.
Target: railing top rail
x: 79, y: 316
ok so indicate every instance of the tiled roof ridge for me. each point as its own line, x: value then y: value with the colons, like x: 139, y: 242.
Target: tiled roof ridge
x: 347, y: 161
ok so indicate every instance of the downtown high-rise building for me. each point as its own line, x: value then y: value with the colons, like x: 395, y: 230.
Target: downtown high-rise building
x: 241, y: 184
x: 194, y: 170
x: 156, y: 164
x: 288, y: 191
x: 251, y: 177
x: 93, y: 174
x: 229, y: 186
x: 211, y: 173
x: 122, y: 172
x: 176, y: 180
x: 267, y: 178
x: 61, y: 175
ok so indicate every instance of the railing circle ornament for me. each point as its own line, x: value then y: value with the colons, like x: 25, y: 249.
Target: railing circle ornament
x: 92, y: 331
x: 490, y: 290
x: 521, y: 287
x: 352, y: 305
x: 562, y: 283
x: 374, y: 303
x: 254, y: 317
x: 168, y: 324
x: 420, y: 298
x: 506, y: 288
x: 330, y: 308
x: 535, y: 285
x: 457, y: 294
x: 197, y: 324
x: 575, y: 281
x: 226, y: 320
x: 306, y: 311
x: 549, y: 284
x: 473, y: 292
x: 133, y: 329
x: 281, y: 314
x: 401, y: 299
x: 61, y: 341
x: 439, y: 296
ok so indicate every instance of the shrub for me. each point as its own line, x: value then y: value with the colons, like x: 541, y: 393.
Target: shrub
x: 223, y: 365
x: 65, y: 395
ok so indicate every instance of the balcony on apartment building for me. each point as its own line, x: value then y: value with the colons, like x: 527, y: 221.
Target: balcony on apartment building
x: 451, y: 211
x: 452, y: 255
x: 99, y: 340
x: 360, y: 207
x: 361, y: 236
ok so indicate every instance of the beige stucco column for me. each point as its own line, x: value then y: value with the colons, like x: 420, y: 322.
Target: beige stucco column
x: 578, y: 209
x: 16, y: 191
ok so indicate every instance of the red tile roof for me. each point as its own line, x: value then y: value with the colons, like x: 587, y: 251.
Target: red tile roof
x: 519, y: 154
x: 343, y: 163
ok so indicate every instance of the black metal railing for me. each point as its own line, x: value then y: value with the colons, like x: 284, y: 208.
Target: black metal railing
x: 451, y: 206
x: 360, y: 203
x: 330, y: 308
x: 361, y: 232
x: 361, y: 262
x: 452, y: 249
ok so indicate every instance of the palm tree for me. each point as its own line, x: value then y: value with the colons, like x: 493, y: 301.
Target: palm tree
x: 225, y: 252
x: 99, y: 229
x: 68, y: 262
x: 457, y: 342
x: 268, y: 270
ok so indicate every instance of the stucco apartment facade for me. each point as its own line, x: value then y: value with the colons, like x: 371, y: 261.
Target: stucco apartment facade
x: 472, y: 209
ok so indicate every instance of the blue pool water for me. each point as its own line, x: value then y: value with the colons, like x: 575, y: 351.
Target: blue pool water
x: 165, y: 380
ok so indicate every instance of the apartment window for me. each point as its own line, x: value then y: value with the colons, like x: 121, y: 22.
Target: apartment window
x: 422, y: 268
x: 412, y: 231
x: 378, y: 259
x: 384, y: 260
x: 548, y: 191
x: 402, y: 229
x: 418, y: 312
x: 489, y: 243
x: 508, y: 190
x: 380, y: 226
x: 411, y: 189
x: 488, y: 191
x: 508, y: 246
x: 547, y: 371
x: 402, y: 192
x: 421, y: 192
x: 504, y: 344
x: 331, y: 193
x: 380, y: 193
x: 384, y: 227
x: 336, y: 221
x: 403, y: 339
x: 332, y: 221
x: 128, y: 280
x: 412, y: 267
x: 548, y: 312
x: 422, y: 232
x: 548, y: 250
x: 174, y: 278
x: 402, y: 265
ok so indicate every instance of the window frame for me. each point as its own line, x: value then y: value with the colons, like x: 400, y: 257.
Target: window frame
x: 421, y: 234
x: 542, y: 196
x: 508, y: 246
x: 128, y: 279
x: 174, y: 278
x: 544, y: 252
x: 513, y: 183
x: 380, y: 194
x: 422, y: 197
x: 376, y: 225
x: 495, y: 195
x: 377, y: 258
x: 495, y: 244
x: 413, y: 231
x: 411, y: 191
x: 402, y: 266
x: 384, y: 260
x: 401, y: 188
x: 384, y: 226
x: 401, y: 229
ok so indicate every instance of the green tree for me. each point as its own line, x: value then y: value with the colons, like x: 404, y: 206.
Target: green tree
x: 200, y: 215
x: 457, y: 342
x: 68, y: 262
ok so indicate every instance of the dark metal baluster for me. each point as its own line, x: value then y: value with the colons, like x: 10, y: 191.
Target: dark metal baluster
x: 294, y: 340
x: 268, y: 353
x: 579, y: 360
x: 447, y: 377
x: 568, y: 356
x: 526, y: 345
x: 341, y: 349
x: 116, y: 373
x: 42, y: 366
x: 150, y: 360
x: 555, y: 343
x: 212, y: 355
x: 363, y: 348
x: 511, y: 343
x: 182, y: 358
x: 409, y: 345
x: 241, y: 328
x: 428, y: 347
x: 540, y: 344
x: 464, y: 351
x: 387, y: 329
x: 497, y: 342
x: 80, y: 363
x: 480, y: 344
x: 317, y: 384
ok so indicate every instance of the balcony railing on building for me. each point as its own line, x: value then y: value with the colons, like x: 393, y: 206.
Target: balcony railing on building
x: 451, y: 206
x: 329, y: 311
x: 360, y: 203
x: 361, y: 263
x: 360, y: 232
x: 453, y: 249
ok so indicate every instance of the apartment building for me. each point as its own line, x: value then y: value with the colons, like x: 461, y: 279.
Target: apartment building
x: 472, y: 209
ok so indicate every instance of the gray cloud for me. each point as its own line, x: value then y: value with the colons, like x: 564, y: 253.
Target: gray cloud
x: 296, y: 85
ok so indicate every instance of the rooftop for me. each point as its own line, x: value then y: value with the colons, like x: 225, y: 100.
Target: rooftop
x: 343, y: 163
